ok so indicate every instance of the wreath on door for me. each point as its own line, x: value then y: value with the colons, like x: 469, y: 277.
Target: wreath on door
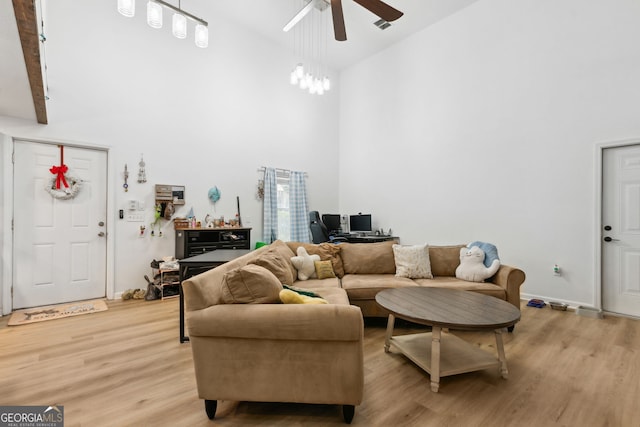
x: 62, y: 186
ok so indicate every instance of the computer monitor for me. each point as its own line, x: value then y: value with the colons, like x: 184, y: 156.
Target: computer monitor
x: 332, y: 222
x: 360, y: 223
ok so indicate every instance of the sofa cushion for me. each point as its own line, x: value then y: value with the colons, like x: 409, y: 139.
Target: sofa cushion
x: 332, y: 282
x: 368, y: 258
x: 326, y: 251
x: 412, y: 261
x: 250, y: 284
x: 444, y: 259
x: 272, y: 260
x: 324, y: 269
x: 448, y: 282
x: 283, y: 249
x: 366, y: 286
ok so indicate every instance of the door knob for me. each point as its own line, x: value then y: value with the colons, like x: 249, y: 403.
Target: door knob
x: 101, y: 234
x: 609, y: 239
x: 607, y: 227
x: 101, y: 223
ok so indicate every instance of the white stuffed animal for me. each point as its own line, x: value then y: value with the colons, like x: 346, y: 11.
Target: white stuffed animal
x: 471, y: 266
x: 305, y: 264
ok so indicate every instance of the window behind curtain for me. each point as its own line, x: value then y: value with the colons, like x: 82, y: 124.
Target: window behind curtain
x: 284, y: 221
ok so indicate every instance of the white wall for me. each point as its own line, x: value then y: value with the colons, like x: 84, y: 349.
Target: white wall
x: 484, y: 127
x: 200, y: 117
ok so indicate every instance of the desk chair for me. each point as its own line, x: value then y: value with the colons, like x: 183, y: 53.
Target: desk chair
x: 319, y: 232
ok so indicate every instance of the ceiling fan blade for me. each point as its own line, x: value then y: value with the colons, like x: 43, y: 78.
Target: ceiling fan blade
x: 338, y: 20
x: 303, y: 12
x: 381, y: 9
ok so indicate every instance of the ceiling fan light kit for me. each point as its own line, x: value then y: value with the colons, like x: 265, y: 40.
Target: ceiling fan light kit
x: 179, y: 20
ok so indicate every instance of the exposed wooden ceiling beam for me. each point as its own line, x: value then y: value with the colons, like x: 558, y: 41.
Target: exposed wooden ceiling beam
x: 27, y: 21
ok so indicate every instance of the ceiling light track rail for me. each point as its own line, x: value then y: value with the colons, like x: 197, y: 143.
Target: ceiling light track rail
x: 181, y: 11
x: 179, y: 22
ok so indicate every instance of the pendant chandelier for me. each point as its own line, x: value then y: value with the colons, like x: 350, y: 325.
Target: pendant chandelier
x: 178, y: 23
x: 310, y: 47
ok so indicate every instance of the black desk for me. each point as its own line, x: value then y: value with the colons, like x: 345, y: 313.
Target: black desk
x: 194, y: 265
x: 354, y: 238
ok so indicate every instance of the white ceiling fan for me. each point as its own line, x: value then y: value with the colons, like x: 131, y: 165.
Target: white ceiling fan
x: 378, y: 7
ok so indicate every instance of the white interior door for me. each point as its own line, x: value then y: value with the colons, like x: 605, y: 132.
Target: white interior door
x: 621, y: 230
x: 59, y: 245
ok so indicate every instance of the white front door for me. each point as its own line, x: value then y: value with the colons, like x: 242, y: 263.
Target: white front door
x: 59, y: 245
x: 621, y: 230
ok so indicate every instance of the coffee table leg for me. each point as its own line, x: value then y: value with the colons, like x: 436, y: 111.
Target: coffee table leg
x: 501, y: 355
x: 435, y: 358
x: 387, y: 339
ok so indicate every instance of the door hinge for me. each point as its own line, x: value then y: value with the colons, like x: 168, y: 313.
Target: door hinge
x: 11, y: 224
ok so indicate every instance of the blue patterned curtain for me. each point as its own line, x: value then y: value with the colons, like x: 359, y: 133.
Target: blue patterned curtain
x: 298, y: 208
x: 270, y: 206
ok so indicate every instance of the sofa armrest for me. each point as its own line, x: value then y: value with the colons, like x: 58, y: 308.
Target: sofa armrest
x: 321, y: 322
x: 510, y: 279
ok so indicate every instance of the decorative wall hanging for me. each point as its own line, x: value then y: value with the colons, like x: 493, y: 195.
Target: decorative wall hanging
x: 214, y: 195
x: 260, y: 192
x: 126, y: 177
x: 142, y: 173
x: 63, y: 186
x: 157, y: 215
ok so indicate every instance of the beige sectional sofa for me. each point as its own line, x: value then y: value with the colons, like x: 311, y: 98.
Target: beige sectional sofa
x: 302, y: 353
x: 364, y: 269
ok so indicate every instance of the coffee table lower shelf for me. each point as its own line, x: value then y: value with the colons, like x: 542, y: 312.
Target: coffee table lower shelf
x: 456, y: 355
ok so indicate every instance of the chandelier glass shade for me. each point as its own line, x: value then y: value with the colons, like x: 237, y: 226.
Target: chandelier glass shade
x: 202, y: 35
x: 179, y: 26
x: 127, y: 8
x: 154, y: 14
x: 310, y: 46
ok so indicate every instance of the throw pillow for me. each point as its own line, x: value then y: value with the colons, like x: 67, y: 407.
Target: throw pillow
x: 471, y: 267
x: 304, y: 263
x: 275, y: 263
x: 412, y: 261
x: 301, y: 291
x: 290, y: 297
x: 324, y: 270
x: 250, y: 284
x: 286, y: 253
x: 327, y: 251
x: 490, y: 252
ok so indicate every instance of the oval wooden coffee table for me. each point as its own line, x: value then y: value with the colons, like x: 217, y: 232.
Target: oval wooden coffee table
x: 445, y: 354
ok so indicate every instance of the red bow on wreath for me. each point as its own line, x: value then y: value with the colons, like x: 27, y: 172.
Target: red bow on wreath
x: 60, y: 170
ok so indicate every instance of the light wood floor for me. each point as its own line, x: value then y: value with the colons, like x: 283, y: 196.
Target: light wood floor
x: 126, y: 367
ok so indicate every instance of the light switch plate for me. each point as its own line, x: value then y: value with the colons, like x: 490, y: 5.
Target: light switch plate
x: 135, y: 217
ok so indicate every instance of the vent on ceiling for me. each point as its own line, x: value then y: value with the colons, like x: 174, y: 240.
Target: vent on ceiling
x: 382, y: 24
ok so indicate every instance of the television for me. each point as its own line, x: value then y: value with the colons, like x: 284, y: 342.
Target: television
x: 360, y: 223
x: 332, y: 222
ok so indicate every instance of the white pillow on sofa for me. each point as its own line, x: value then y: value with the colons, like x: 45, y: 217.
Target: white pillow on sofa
x: 412, y: 261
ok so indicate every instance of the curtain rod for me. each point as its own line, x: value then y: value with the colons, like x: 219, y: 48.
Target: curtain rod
x: 278, y: 170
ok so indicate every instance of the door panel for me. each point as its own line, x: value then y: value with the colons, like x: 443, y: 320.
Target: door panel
x: 58, y: 255
x: 621, y: 233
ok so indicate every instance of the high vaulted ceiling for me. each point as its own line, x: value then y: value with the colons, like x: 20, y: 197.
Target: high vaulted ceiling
x: 264, y: 17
